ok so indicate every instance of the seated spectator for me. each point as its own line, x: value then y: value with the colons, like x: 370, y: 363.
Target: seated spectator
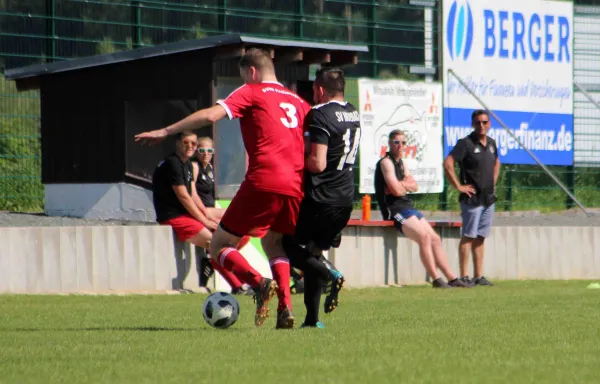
x: 205, y: 187
x: 176, y: 200
x: 393, y: 183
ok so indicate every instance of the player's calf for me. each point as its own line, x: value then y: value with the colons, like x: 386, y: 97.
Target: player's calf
x: 280, y: 267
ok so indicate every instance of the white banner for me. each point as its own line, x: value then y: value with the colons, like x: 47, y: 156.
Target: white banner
x: 416, y: 109
x: 517, y: 57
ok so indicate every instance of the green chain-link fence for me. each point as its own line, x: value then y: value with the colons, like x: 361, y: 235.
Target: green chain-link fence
x: 35, y: 31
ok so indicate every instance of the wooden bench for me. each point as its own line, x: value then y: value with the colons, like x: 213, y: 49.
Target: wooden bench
x: 390, y: 223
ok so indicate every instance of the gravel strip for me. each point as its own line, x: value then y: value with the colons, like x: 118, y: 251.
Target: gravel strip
x: 571, y: 218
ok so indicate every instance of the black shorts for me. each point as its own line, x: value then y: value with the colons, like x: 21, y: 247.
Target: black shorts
x: 321, y: 223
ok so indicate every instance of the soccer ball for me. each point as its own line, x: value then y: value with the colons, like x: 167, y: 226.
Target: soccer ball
x: 221, y: 310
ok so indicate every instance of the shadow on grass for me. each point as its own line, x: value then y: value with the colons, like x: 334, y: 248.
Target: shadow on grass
x: 104, y: 329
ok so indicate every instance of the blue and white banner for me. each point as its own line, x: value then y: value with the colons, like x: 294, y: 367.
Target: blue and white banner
x: 517, y: 57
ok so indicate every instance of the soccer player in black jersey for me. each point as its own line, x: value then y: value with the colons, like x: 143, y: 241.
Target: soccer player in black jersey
x: 332, y: 130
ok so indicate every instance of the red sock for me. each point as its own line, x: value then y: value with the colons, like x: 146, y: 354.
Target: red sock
x: 229, y: 277
x: 243, y: 241
x: 233, y: 261
x: 280, y: 267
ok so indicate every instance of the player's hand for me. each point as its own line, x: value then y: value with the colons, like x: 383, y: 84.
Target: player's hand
x: 152, y: 137
x: 467, y: 189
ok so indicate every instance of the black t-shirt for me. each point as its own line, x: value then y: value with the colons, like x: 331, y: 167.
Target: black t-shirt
x: 337, y: 125
x: 205, y: 185
x: 170, y: 172
x: 476, y: 163
x: 389, y: 203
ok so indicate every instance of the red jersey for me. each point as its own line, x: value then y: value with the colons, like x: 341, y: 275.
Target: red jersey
x: 272, y: 121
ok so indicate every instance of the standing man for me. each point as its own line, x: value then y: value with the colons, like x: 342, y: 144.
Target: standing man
x: 395, y: 181
x: 477, y: 156
x: 332, y: 129
x: 268, y: 201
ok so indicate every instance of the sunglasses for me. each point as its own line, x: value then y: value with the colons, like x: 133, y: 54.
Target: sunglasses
x: 484, y: 122
x: 189, y: 143
x: 398, y: 142
x: 205, y: 150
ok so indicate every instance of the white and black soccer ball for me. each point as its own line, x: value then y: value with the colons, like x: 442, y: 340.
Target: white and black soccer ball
x: 221, y: 310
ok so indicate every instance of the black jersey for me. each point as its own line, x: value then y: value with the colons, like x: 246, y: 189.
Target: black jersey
x: 477, y: 163
x: 388, y: 203
x: 205, y: 185
x: 337, y: 125
x: 169, y: 172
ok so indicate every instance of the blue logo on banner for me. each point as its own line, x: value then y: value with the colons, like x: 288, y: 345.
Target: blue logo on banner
x: 459, y: 31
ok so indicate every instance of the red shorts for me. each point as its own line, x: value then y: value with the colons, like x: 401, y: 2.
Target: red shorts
x: 185, y: 226
x: 253, y: 212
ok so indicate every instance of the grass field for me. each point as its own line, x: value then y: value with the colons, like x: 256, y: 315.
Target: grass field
x: 519, y: 332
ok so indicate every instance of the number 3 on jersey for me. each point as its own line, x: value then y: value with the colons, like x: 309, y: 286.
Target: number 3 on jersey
x: 290, y: 111
x: 349, y: 155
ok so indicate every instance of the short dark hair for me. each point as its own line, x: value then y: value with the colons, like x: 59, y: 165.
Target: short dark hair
x: 395, y: 132
x: 182, y: 135
x: 478, y: 112
x: 257, y: 58
x: 331, y: 79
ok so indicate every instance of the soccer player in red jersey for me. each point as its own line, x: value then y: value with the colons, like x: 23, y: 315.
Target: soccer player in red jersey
x: 268, y: 201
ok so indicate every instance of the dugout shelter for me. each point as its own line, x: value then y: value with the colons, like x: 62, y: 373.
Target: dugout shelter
x: 92, y: 107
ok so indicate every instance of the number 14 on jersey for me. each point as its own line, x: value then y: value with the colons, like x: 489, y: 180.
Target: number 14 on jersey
x: 349, y: 156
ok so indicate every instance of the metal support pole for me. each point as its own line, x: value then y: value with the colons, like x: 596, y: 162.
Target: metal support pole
x: 587, y: 95
x: 50, y: 30
x: 222, y: 16
x: 372, y: 37
x: 298, y: 20
x: 136, y: 21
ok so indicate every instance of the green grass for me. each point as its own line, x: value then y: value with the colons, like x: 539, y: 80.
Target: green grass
x: 524, y: 332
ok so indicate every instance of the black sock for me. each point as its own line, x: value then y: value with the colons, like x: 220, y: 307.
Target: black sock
x: 205, y: 269
x: 319, y: 267
x: 313, y: 287
x: 302, y: 259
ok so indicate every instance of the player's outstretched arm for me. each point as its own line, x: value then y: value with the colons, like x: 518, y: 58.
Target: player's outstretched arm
x: 391, y: 181
x: 194, y: 121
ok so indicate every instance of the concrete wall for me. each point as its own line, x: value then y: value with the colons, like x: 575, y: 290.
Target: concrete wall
x: 146, y: 258
x: 86, y: 259
x: 373, y: 256
x: 118, y: 201
x: 103, y: 259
